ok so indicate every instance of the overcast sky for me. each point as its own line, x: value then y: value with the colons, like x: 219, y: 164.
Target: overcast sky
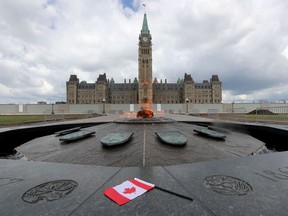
x: 42, y: 42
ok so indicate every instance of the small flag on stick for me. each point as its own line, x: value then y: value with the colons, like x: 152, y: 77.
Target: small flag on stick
x: 128, y: 190
x: 133, y: 188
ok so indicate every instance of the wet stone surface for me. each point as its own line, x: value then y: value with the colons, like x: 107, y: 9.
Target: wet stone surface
x: 255, y: 185
x: 143, y: 149
x: 153, y: 120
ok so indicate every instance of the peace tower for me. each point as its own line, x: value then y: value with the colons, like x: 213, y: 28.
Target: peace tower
x: 144, y: 90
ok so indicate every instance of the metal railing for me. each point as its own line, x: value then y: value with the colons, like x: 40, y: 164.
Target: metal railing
x: 54, y: 115
x: 272, y: 114
x: 263, y: 114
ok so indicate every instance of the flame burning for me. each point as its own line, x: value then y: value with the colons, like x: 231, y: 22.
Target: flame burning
x: 145, y: 113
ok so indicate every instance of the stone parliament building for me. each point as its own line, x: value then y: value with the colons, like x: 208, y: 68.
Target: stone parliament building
x: 144, y: 89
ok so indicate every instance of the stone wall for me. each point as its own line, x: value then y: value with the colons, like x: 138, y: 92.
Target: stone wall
x: 18, y: 109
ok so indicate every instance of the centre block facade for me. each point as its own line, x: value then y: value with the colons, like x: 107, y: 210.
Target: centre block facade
x: 144, y: 89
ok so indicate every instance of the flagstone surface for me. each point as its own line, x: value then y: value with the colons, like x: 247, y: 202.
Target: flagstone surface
x: 255, y: 185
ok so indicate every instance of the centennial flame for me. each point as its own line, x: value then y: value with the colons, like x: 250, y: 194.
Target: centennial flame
x: 145, y: 110
x: 145, y: 113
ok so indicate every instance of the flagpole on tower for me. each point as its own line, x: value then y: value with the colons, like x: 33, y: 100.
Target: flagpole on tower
x: 144, y: 5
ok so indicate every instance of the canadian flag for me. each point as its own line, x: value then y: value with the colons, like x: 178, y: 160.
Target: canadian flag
x: 128, y: 190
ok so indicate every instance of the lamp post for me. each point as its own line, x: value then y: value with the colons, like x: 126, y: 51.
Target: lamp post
x: 52, y: 113
x: 103, y: 101
x: 187, y: 101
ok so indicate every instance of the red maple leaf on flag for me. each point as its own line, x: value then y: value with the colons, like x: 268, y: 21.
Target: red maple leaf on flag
x: 129, y: 190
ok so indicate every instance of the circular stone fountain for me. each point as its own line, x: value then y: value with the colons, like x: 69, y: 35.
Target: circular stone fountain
x: 144, y: 148
x: 153, y: 120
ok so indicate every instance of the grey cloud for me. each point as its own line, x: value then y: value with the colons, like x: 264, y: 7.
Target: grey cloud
x: 241, y: 41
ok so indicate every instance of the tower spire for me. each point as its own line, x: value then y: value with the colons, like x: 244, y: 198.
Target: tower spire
x: 145, y: 29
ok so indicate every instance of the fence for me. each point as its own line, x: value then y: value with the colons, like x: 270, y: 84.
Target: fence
x: 213, y: 113
x: 54, y: 115
x: 262, y: 114
x: 272, y: 114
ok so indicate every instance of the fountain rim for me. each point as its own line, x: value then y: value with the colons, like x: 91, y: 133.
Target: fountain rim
x: 153, y: 120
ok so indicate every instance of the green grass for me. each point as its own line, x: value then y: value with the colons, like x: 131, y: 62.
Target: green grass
x: 272, y: 117
x: 20, y: 119
x: 255, y: 118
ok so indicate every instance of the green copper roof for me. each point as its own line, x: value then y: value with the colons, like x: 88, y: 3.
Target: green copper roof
x: 145, y: 29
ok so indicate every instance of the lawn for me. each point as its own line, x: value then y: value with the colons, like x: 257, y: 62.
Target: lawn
x: 276, y: 118
x: 271, y: 117
x: 27, y: 119
x: 20, y: 119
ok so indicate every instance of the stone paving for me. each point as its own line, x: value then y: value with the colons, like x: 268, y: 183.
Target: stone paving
x: 256, y: 185
x: 252, y: 185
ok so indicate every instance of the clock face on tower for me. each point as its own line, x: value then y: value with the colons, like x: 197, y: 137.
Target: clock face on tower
x: 145, y: 39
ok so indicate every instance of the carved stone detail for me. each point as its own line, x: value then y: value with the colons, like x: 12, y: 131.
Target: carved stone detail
x: 49, y: 191
x: 227, y: 185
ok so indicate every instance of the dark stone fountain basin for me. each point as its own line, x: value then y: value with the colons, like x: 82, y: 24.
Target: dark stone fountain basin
x: 143, y: 149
